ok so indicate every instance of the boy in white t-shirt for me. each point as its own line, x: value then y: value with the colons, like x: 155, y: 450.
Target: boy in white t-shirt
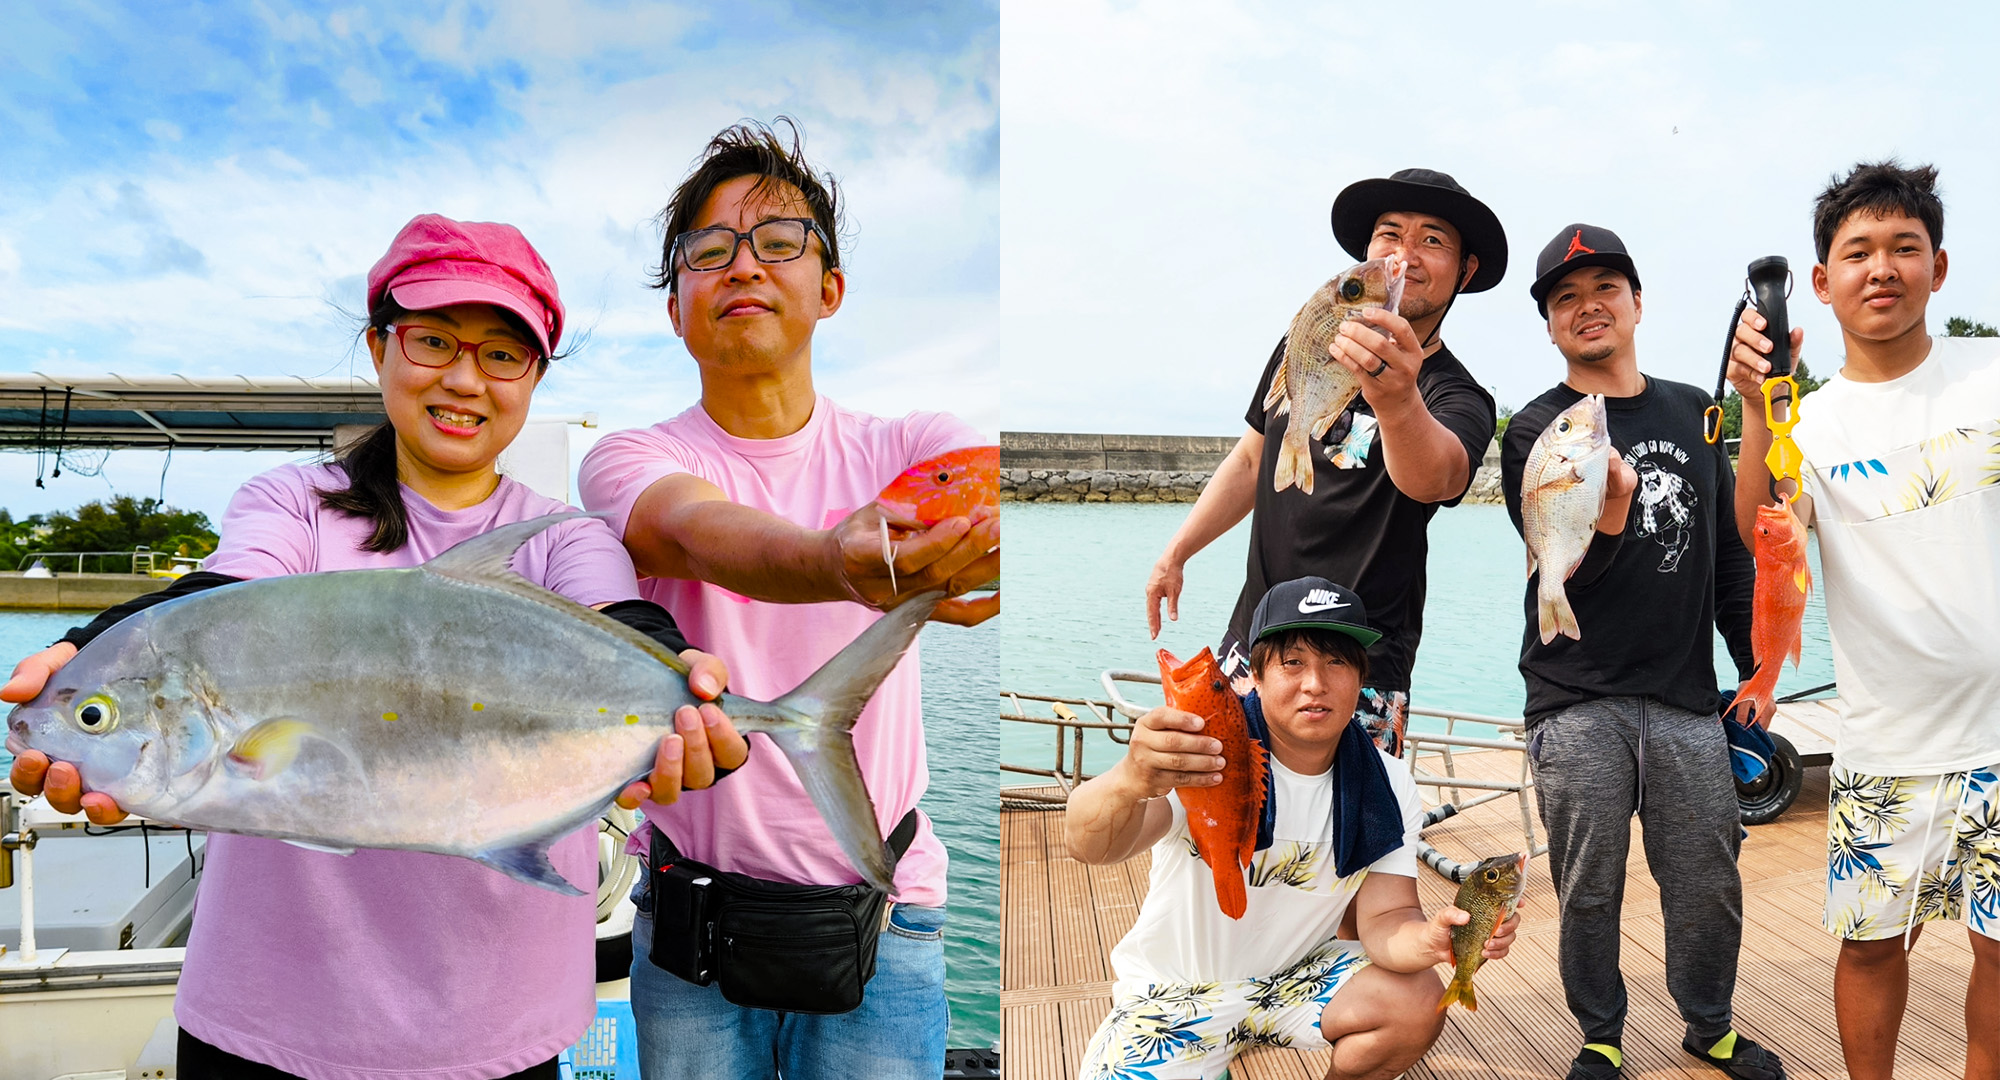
x: 1195, y: 986
x: 1902, y: 486
x: 752, y: 516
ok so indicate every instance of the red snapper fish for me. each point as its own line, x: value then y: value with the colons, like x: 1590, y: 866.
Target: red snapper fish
x: 1222, y: 820
x: 949, y: 485
x: 1777, y: 606
x: 1310, y: 384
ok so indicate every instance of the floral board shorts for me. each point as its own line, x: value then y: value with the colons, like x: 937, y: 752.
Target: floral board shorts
x: 1903, y: 850
x: 1177, y: 1031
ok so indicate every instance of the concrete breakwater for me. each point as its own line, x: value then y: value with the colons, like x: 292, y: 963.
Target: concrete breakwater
x: 1040, y: 466
x: 80, y: 592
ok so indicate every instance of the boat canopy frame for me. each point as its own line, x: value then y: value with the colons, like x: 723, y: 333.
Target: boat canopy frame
x: 55, y: 413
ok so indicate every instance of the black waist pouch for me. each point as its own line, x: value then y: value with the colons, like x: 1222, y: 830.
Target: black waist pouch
x: 767, y: 944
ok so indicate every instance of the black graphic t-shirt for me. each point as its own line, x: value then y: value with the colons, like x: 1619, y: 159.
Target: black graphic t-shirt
x: 1357, y: 528
x: 1645, y: 600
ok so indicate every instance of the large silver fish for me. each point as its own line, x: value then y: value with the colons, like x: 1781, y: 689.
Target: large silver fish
x: 454, y: 707
x: 1310, y: 383
x: 1562, y: 496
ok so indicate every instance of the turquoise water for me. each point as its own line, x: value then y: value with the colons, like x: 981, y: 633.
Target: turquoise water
x: 1075, y: 578
x: 962, y: 734
x: 960, y: 684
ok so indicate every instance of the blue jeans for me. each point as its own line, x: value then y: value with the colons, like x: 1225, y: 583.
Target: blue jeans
x: 688, y: 1032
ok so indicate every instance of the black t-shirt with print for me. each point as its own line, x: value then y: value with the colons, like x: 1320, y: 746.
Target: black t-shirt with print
x: 1357, y: 528
x: 1645, y: 600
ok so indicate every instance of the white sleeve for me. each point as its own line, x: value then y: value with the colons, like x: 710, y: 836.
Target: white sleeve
x: 1403, y: 861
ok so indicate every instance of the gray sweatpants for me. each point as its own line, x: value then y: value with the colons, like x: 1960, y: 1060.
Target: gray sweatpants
x: 1588, y: 763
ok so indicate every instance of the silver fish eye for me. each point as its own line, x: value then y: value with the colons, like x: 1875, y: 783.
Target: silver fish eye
x: 1563, y: 427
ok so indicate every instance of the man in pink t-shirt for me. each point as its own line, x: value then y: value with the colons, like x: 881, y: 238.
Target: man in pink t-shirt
x: 751, y: 518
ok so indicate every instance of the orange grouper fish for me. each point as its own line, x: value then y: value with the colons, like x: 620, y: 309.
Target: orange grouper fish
x: 1777, y: 607
x: 1222, y: 820
x: 949, y: 485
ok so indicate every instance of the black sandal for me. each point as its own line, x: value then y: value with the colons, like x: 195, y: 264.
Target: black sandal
x: 1593, y: 1064
x: 1746, y: 1060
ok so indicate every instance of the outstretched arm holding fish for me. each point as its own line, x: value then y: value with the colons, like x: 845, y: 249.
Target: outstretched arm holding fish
x: 1120, y: 813
x: 1424, y: 459
x: 684, y: 527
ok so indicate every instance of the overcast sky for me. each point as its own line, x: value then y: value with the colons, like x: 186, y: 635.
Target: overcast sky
x: 202, y: 188
x: 1169, y: 168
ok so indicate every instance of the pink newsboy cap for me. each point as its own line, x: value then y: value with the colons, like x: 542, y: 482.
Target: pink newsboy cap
x: 436, y: 262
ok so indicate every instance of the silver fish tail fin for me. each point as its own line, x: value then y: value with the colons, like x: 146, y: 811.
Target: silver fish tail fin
x: 821, y: 748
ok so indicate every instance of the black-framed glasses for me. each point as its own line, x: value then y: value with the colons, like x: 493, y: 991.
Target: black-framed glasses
x: 774, y: 240
x: 500, y: 359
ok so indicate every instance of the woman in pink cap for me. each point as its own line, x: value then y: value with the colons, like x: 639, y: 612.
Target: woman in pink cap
x: 405, y: 964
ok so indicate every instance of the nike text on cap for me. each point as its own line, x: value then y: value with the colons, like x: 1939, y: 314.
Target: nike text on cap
x: 1311, y: 602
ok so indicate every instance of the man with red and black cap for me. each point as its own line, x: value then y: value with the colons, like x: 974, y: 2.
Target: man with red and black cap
x: 1409, y: 443
x: 1622, y: 718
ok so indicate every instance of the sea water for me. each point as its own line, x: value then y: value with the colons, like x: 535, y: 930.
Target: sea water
x: 1075, y: 581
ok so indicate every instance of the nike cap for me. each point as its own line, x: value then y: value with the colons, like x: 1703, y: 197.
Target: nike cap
x: 1311, y: 602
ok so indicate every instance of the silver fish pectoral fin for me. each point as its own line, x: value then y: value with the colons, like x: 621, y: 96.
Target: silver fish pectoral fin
x: 814, y: 725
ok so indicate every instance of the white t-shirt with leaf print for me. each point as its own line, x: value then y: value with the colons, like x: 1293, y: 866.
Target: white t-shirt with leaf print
x: 1905, y: 481
x: 1296, y: 900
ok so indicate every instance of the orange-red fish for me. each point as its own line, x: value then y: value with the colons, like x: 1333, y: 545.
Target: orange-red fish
x: 949, y: 485
x: 1222, y: 820
x: 1777, y: 607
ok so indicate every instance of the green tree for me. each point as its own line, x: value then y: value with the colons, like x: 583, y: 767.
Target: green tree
x: 1958, y: 327
x: 122, y: 524
x: 1506, y: 414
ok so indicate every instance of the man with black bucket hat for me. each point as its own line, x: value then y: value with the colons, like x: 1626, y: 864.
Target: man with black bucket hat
x: 1622, y: 717
x: 1409, y: 443
x: 1337, y: 837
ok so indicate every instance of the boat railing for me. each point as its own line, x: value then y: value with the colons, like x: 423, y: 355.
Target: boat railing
x: 1419, y: 748
x: 1069, y: 728
x: 141, y: 560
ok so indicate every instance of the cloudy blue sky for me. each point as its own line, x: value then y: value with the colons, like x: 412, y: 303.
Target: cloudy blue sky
x: 201, y: 188
x: 1169, y: 168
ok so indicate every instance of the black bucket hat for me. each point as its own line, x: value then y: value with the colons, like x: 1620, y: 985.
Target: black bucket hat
x: 1575, y: 247
x: 1423, y: 191
x: 1311, y: 602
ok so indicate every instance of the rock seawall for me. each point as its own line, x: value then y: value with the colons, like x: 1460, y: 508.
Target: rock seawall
x: 1026, y: 474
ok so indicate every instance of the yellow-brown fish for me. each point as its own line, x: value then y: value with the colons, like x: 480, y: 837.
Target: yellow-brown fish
x: 1562, y: 496
x: 1309, y: 382
x: 1490, y: 892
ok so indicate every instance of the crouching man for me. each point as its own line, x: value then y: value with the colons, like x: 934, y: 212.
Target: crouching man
x: 1340, y: 828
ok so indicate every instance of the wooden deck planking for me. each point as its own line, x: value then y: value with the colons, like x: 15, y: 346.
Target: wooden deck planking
x: 1784, y: 994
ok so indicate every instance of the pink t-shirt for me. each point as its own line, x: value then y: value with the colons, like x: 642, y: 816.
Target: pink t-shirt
x: 759, y: 821
x: 396, y: 964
